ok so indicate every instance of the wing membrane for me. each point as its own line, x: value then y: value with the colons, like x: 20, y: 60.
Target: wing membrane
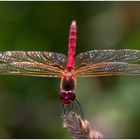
x: 46, y: 64
x: 97, y: 56
x: 48, y: 58
x: 108, y: 69
x: 30, y: 69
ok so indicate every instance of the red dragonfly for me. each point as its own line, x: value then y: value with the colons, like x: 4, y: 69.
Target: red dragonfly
x: 56, y: 65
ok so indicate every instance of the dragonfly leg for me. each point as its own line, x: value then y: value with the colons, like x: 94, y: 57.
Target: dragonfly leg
x: 73, y: 106
x: 79, y: 108
x: 63, y: 109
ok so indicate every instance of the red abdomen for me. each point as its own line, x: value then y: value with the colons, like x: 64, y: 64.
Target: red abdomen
x: 71, y: 46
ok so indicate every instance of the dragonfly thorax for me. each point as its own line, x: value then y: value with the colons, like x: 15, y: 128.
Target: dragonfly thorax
x: 69, y: 73
x: 67, y: 90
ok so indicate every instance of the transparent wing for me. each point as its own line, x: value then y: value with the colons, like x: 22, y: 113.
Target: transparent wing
x: 108, y: 69
x: 46, y: 64
x: 49, y: 58
x: 96, y: 56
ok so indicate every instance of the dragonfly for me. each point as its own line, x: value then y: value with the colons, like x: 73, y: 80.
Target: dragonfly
x: 56, y: 65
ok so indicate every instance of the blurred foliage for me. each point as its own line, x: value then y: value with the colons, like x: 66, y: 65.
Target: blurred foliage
x: 29, y: 106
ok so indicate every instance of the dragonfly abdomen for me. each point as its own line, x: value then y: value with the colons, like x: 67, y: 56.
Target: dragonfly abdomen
x: 71, y: 46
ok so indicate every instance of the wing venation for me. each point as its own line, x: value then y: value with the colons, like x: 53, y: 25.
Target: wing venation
x: 108, y: 69
x: 97, y: 56
x: 34, y: 63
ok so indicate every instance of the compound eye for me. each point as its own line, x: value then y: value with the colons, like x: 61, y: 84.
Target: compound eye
x: 62, y: 95
x: 67, y: 97
x: 71, y: 95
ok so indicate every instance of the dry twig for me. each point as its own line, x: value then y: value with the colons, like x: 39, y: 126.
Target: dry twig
x: 78, y: 128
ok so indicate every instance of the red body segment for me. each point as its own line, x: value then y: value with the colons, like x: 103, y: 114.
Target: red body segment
x: 71, y: 46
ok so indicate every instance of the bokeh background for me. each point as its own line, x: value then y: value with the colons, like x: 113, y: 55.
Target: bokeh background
x: 30, y: 107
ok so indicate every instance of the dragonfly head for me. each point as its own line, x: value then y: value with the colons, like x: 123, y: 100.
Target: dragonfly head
x: 67, y: 96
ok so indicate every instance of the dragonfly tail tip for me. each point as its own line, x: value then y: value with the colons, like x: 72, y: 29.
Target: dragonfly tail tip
x: 73, y: 23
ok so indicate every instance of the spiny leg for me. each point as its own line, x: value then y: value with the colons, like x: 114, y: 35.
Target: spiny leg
x: 63, y: 109
x: 70, y: 107
x: 73, y: 106
x: 78, y: 106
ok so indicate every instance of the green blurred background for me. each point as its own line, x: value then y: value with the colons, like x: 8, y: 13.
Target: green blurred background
x: 30, y: 107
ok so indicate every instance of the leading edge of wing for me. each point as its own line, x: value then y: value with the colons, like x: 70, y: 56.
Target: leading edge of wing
x: 97, y: 56
x: 48, y: 58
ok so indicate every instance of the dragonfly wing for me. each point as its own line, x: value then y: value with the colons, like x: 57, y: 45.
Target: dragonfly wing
x: 108, y: 69
x: 29, y: 69
x: 48, y: 58
x: 35, y: 63
x: 96, y: 56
